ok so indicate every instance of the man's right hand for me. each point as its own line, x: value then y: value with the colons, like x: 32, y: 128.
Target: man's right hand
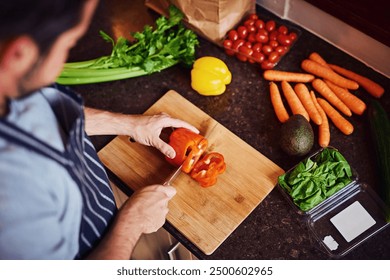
x: 144, y: 212
x: 148, y: 207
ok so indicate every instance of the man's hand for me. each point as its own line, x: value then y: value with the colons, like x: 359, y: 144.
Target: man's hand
x: 147, y: 131
x: 148, y: 207
x: 143, y: 129
x: 144, y: 212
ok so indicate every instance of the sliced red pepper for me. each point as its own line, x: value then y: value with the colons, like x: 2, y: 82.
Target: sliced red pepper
x: 188, y: 146
x: 207, y: 169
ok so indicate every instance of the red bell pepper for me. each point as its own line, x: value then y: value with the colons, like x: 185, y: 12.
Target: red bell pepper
x: 207, y: 169
x: 188, y: 146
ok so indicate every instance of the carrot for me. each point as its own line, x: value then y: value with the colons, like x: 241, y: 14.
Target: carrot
x: 321, y: 71
x: 370, y: 86
x: 317, y: 58
x: 323, y: 89
x: 338, y: 120
x: 278, y: 76
x: 323, y: 128
x: 293, y: 100
x: 303, y: 94
x: 354, y: 103
x: 277, y: 103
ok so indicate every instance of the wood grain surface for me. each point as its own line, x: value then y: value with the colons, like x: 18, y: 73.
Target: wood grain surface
x: 206, y: 216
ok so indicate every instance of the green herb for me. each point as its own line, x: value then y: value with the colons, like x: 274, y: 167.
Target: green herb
x: 152, y: 51
x: 315, y: 179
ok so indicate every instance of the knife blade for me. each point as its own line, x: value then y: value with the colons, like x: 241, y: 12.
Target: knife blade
x: 173, y: 176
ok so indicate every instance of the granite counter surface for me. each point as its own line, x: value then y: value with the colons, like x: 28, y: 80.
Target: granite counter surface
x: 273, y: 230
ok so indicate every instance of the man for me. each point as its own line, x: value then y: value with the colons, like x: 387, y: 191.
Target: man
x: 55, y: 200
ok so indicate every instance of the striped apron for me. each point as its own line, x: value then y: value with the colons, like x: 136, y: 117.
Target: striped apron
x: 80, y: 160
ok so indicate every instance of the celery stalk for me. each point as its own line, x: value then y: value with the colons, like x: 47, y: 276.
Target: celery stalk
x: 154, y: 50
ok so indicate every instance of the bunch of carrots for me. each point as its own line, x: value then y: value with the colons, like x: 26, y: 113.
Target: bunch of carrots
x: 332, y: 82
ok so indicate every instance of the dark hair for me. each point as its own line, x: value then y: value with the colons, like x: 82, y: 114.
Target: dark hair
x: 42, y: 20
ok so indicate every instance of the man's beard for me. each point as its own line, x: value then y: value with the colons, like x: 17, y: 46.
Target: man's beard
x: 24, y: 87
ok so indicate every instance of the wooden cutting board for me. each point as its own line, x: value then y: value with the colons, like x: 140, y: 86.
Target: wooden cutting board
x: 205, y: 216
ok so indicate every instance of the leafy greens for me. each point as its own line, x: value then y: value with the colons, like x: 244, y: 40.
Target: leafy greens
x: 153, y: 50
x: 315, y: 179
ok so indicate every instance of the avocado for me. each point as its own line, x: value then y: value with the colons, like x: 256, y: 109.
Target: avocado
x: 297, y: 136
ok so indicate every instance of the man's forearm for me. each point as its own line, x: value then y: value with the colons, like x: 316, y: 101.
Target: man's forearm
x: 119, y: 241
x: 99, y: 122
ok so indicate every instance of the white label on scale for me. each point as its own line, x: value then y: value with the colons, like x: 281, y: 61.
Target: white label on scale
x: 353, y: 221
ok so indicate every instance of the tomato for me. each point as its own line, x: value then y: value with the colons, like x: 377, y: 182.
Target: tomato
x: 241, y: 57
x: 270, y: 25
x: 249, y: 22
x: 253, y: 16
x: 266, y: 64
x: 284, y: 40
x: 251, y: 29
x: 258, y: 56
x: 259, y: 24
x: 267, y: 49
x: 281, y: 50
x: 261, y: 38
x: 283, y: 29
x: 242, y: 32
x: 273, y: 44
x: 273, y: 57
x: 240, y: 44
x: 248, y: 44
x: 229, y: 52
x: 293, y: 36
x: 233, y: 35
x: 237, y: 44
x: 256, y: 40
x: 257, y: 47
x: 263, y: 32
x: 251, y: 37
x: 273, y: 35
x: 228, y: 45
x: 245, y: 50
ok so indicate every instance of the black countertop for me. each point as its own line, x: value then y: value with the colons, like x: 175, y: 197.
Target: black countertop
x: 273, y: 230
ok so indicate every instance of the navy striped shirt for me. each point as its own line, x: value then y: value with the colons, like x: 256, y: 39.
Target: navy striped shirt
x: 73, y: 204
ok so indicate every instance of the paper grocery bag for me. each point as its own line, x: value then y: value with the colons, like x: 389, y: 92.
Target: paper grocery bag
x: 211, y: 19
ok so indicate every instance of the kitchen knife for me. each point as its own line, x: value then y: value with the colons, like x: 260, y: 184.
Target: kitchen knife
x: 173, y: 176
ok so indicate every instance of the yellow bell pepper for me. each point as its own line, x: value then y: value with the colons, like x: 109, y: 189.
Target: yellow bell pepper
x: 210, y: 75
